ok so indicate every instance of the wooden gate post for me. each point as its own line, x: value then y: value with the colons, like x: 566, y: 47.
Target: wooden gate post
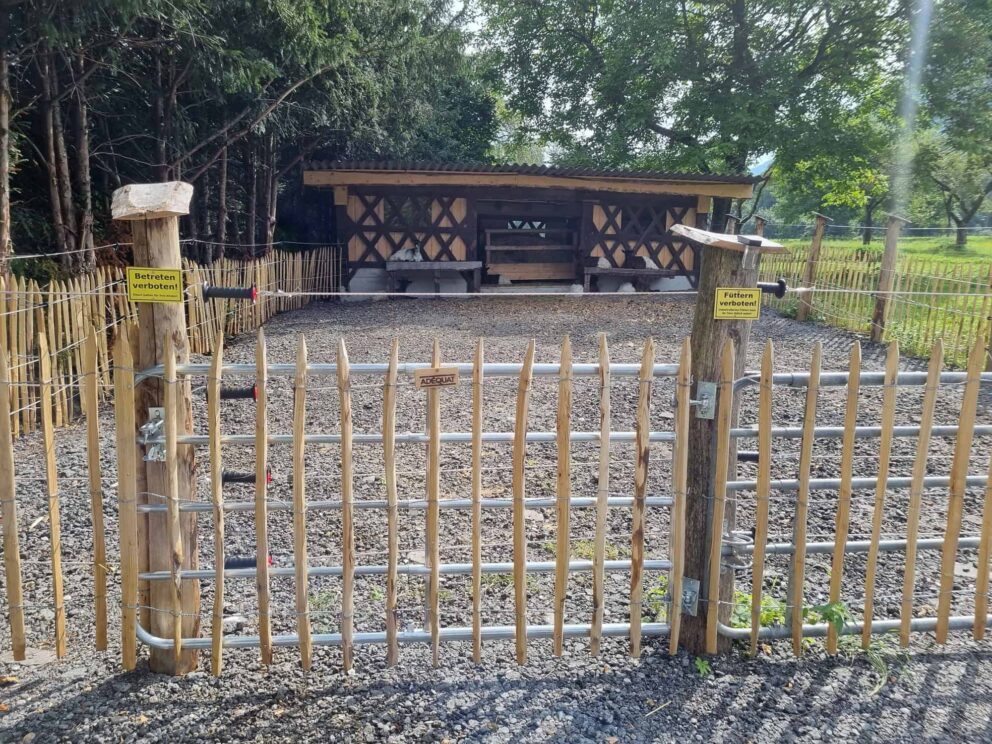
x: 887, y: 276
x: 812, y: 261
x: 154, y: 210
x: 725, y: 264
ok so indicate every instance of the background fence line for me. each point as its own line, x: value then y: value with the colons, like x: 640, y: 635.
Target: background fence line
x: 915, y: 320
x: 66, y: 311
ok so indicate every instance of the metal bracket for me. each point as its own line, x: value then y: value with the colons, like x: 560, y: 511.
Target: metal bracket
x: 705, y: 401
x: 152, y: 429
x: 690, y: 596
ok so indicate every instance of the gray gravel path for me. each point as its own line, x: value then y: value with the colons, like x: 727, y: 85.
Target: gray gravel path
x: 933, y: 693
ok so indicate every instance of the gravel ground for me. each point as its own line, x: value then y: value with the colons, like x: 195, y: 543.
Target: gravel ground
x: 930, y: 693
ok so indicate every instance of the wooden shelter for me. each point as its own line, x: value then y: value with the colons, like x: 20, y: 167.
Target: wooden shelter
x: 518, y: 223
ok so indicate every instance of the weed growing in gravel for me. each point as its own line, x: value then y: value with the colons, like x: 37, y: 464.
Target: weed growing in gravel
x: 656, y: 601
x: 772, y: 611
x: 586, y: 550
x: 323, y: 604
x: 703, y: 667
x: 835, y: 613
x: 884, y: 656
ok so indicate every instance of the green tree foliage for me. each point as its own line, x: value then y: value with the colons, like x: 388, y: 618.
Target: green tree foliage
x: 842, y: 166
x: 703, y: 86
x: 955, y: 154
x: 232, y: 95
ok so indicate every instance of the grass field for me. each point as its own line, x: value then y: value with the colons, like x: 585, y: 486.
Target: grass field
x: 940, y: 291
x: 978, y: 250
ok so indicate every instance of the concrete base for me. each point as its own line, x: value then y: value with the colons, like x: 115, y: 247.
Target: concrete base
x: 666, y: 284
x: 377, y: 280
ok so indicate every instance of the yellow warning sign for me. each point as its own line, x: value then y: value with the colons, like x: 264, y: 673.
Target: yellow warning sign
x: 154, y: 285
x: 733, y: 303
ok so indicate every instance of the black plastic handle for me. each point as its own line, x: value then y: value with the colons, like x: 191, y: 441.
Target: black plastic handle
x: 242, y: 561
x: 234, y: 476
x: 776, y: 288
x: 244, y: 393
x: 211, y: 292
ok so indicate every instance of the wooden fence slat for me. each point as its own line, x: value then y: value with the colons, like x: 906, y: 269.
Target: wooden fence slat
x: 217, y: 497
x: 884, y: 459
x: 916, y: 487
x: 763, y: 493
x: 27, y: 343
x: 519, y: 513
x: 797, y: 577
x: 347, y: 510
x: 984, y: 551
x: 392, y: 509
x: 602, y: 496
x: 16, y: 360
x: 261, y: 494
x: 959, y: 476
x: 724, y: 416
x: 642, y: 449
x: 173, y: 528
x: 843, y: 521
x: 680, y: 472
x: 563, y: 489
x: 477, y: 402
x: 127, y: 495
x: 8, y: 492
x: 91, y: 384
x: 52, y: 303
x: 51, y: 482
x: 300, y: 505
x: 433, y: 509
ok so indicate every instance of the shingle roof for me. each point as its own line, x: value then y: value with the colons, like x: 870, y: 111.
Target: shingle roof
x: 530, y: 170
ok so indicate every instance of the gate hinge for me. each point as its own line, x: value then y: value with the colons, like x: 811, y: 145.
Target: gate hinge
x: 705, y: 400
x: 152, y: 430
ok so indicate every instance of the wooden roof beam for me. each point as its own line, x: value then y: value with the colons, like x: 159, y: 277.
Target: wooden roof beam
x: 329, y: 178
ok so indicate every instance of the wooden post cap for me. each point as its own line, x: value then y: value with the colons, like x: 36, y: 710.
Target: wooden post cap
x: 897, y: 218
x: 822, y: 216
x: 755, y: 243
x: 148, y: 201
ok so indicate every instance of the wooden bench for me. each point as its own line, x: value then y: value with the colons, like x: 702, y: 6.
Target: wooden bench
x: 471, y: 271
x: 635, y: 276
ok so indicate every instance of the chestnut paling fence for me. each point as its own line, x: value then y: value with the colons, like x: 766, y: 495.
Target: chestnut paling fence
x: 881, y: 461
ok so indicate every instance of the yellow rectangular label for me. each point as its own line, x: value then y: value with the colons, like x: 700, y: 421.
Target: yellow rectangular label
x: 154, y: 285
x: 433, y: 377
x: 733, y: 303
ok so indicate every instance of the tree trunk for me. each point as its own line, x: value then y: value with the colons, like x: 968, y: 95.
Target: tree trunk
x: 64, y: 178
x: 88, y: 256
x: 54, y: 196
x: 866, y: 233
x: 6, y: 247
x: 250, y: 230
x: 271, y: 185
x: 221, y: 235
x: 960, y: 235
x: 158, y: 123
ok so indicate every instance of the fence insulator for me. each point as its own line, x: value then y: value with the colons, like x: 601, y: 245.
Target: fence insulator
x: 229, y: 293
x: 233, y: 476
x: 776, y: 288
x: 239, y: 393
x: 242, y: 561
